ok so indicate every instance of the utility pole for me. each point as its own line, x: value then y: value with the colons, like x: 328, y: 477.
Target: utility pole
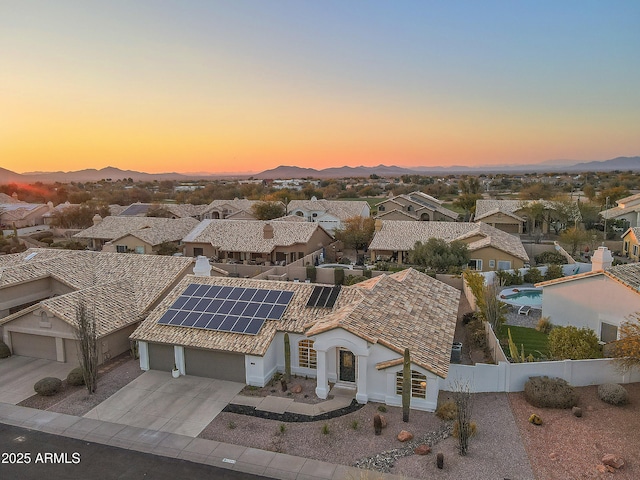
x: 606, y: 207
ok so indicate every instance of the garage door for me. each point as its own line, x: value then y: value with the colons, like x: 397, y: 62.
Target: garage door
x: 161, y: 357
x: 220, y: 365
x: 37, y: 346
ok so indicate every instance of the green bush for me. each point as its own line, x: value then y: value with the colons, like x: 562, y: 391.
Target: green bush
x: 48, y: 386
x: 338, y: 276
x: 572, y: 343
x: 550, y: 257
x: 533, y: 275
x: 353, y: 279
x: 613, y: 393
x: 75, y: 377
x: 553, y: 271
x: 311, y: 273
x: 4, y: 350
x: 47, y: 240
x: 545, y: 392
x: 515, y: 278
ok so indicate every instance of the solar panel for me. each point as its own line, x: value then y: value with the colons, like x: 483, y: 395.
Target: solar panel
x: 228, y: 309
x: 324, y: 297
x: 313, y: 299
x: 333, y: 296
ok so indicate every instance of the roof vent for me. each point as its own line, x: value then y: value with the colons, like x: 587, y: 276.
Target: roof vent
x: 602, y: 259
x: 202, y: 268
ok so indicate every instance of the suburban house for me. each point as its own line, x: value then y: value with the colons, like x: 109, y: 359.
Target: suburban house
x: 173, y: 210
x: 489, y: 248
x: 627, y: 209
x: 18, y: 214
x: 48, y: 217
x: 631, y: 243
x: 513, y: 216
x: 600, y: 300
x: 135, y: 234
x: 236, y: 209
x: 328, y: 213
x: 42, y: 289
x: 415, y: 206
x: 249, y: 241
x: 355, y: 337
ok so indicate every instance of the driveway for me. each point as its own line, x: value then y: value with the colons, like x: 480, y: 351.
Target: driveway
x: 157, y: 401
x: 19, y: 374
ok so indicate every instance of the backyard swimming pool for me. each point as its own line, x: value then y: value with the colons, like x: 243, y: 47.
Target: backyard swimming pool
x: 524, y: 296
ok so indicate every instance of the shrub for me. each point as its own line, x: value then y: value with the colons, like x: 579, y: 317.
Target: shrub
x: 613, y: 393
x: 75, y: 377
x: 338, y: 276
x: 548, y: 392
x: 515, y: 278
x: 553, y: 271
x: 473, y: 429
x: 4, y: 350
x: 353, y: 279
x: 544, y: 325
x: 573, y: 343
x: 311, y: 273
x: 477, y: 334
x: 283, y: 427
x: 447, y: 411
x: 48, y: 386
x: 325, y: 429
x: 533, y: 275
x: 355, y: 424
x: 382, y: 408
x: 550, y: 257
x: 468, y: 317
x: 47, y: 240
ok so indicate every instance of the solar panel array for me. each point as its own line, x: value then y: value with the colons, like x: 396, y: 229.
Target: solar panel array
x: 226, y: 309
x: 324, y: 297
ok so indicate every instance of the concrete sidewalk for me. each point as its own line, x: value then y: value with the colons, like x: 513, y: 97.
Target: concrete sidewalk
x: 224, y: 455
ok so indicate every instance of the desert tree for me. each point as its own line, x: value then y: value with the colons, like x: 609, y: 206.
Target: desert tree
x: 268, y: 210
x: 464, y: 406
x: 626, y: 350
x: 87, y: 337
x: 356, y: 233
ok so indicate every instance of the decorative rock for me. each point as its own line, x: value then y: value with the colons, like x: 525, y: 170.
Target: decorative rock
x: 422, y: 449
x: 440, y: 461
x: 404, y: 436
x: 553, y: 456
x: 601, y: 468
x: 577, y: 411
x: 535, y: 419
x: 296, y: 389
x: 612, y: 460
x: 384, y: 421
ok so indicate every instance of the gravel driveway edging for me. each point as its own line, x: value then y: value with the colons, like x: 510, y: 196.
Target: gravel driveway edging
x: 291, y: 417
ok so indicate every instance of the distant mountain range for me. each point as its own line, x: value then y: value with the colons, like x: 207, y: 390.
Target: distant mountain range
x: 283, y: 172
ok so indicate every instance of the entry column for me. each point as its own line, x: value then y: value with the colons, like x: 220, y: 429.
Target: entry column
x: 322, y: 386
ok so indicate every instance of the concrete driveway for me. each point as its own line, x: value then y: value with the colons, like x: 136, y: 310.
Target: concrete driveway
x: 19, y: 374
x: 157, y: 401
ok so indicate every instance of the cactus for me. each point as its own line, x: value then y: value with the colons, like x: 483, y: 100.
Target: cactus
x: 287, y: 358
x: 406, y: 386
x: 377, y: 424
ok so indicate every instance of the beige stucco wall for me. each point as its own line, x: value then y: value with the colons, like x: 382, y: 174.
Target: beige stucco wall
x: 131, y: 243
x: 628, y: 243
x: 25, y: 293
x: 504, y: 222
x: 489, y: 253
x: 395, y: 215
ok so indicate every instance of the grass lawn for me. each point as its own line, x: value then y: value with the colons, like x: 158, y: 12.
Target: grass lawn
x: 533, y: 340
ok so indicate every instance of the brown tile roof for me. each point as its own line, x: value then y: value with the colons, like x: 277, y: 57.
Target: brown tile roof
x: 400, y: 235
x: 153, y: 230
x: 248, y: 235
x: 120, y: 288
x: 341, y: 209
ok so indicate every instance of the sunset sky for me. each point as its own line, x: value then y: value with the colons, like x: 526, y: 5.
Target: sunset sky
x: 243, y: 86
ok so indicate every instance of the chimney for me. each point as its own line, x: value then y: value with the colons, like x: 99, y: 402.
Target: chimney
x: 602, y: 259
x: 202, y: 268
x: 96, y: 219
x: 268, y: 230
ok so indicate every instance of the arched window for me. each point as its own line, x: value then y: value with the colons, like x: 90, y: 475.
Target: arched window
x: 307, y: 356
x: 418, y: 384
x: 299, y: 213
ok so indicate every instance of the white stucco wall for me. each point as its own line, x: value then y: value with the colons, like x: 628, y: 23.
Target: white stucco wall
x: 588, y: 302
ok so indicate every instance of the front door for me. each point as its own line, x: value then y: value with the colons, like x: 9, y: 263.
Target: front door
x: 347, y: 366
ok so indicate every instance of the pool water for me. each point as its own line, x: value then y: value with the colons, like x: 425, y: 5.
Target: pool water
x: 531, y: 297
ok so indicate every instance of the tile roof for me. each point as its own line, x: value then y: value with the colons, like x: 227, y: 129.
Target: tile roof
x: 119, y: 288
x: 626, y: 274
x: 486, y: 207
x: 407, y: 309
x: 180, y: 210
x: 619, y: 211
x: 4, y: 198
x: 248, y: 235
x: 423, y: 200
x: 153, y: 230
x: 402, y: 235
x: 341, y: 209
x: 497, y: 210
x: 234, y: 205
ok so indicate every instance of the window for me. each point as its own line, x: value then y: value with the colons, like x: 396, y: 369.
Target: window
x: 475, y: 264
x: 121, y: 248
x: 418, y: 384
x: 635, y: 250
x: 409, y: 208
x: 197, y: 252
x: 307, y: 356
x: 625, y: 247
x: 492, y: 264
x: 299, y: 213
x: 381, y: 208
x: 139, y: 249
x: 608, y: 332
x: 504, y: 265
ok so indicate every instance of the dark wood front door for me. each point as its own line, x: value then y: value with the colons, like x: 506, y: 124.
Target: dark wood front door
x: 347, y: 366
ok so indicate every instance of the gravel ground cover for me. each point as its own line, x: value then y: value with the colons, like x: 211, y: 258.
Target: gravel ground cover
x: 112, y: 376
x: 566, y: 447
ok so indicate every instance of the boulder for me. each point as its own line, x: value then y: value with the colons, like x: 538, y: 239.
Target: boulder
x: 577, y: 412
x: 405, y: 436
x: 612, y: 460
x: 422, y: 449
x: 384, y: 421
x: 601, y: 468
x: 535, y: 419
x: 296, y: 389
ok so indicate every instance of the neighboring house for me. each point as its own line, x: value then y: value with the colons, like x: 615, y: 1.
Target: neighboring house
x: 489, y: 248
x: 415, y: 206
x: 628, y: 209
x: 41, y: 289
x: 631, y: 243
x: 330, y: 214
x: 600, y: 300
x: 236, y: 209
x: 14, y: 213
x: 58, y: 209
x: 135, y: 234
x: 273, y: 241
x: 176, y: 210
x: 511, y: 216
x: 351, y: 336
